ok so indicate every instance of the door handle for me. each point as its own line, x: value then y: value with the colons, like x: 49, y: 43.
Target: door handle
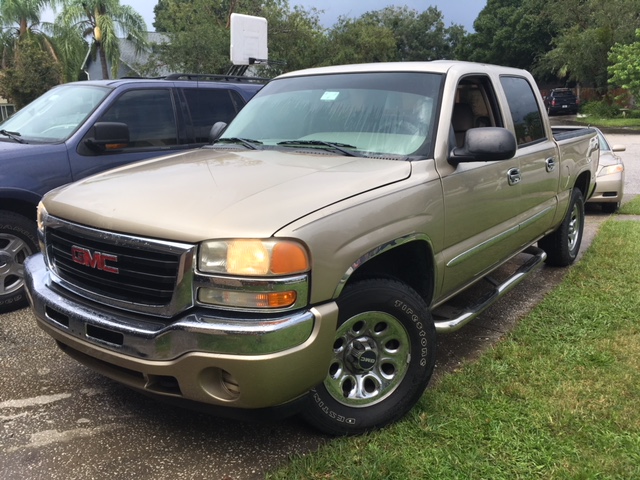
x: 514, y: 176
x: 550, y: 164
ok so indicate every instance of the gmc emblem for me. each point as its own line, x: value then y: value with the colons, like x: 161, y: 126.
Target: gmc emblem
x: 98, y: 260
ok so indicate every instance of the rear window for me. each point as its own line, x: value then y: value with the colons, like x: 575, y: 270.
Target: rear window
x: 563, y: 94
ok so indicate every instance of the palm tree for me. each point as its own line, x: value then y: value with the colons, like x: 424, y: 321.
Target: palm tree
x: 21, y: 19
x: 101, y: 21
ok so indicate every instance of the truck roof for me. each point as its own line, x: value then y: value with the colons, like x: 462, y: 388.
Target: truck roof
x: 436, y: 66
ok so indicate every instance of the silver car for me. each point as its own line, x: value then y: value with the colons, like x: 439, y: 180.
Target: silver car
x: 610, y: 178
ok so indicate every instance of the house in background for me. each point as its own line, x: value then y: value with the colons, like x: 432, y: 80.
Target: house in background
x: 6, y: 109
x: 130, y: 61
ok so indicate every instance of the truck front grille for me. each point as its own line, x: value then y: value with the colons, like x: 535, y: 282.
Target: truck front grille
x: 133, y: 273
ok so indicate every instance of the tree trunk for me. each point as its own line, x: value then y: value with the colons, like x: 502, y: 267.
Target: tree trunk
x: 103, y: 62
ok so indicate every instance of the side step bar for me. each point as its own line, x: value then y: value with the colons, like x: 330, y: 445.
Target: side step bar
x: 531, y: 265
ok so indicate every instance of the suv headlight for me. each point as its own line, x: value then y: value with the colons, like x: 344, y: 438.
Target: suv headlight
x: 253, y: 257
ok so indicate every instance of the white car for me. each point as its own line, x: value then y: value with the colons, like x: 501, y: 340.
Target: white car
x: 610, y: 177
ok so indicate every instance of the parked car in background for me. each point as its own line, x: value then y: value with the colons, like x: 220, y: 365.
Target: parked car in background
x: 81, y: 128
x: 610, y: 178
x: 561, y: 100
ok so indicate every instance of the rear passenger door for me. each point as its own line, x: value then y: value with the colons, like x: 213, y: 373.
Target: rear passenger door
x: 538, y: 157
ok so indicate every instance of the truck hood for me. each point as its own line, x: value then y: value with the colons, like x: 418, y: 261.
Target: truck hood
x: 206, y: 193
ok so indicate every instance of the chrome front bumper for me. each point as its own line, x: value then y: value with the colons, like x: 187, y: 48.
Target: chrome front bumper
x: 271, y: 359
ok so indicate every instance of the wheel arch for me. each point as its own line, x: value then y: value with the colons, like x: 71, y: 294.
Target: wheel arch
x: 25, y: 207
x: 409, y: 260
x: 583, y: 183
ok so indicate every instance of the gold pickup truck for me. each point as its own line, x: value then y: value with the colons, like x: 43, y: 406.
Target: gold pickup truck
x: 306, y: 260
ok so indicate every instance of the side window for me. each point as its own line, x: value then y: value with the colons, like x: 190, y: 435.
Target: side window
x: 208, y: 106
x: 525, y: 112
x: 149, y: 115
x: 475, y: 107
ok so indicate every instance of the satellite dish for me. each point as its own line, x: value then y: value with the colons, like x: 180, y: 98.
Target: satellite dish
x: 248, y: 40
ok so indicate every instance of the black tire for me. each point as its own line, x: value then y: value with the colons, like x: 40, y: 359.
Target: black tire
x: 383, y: 358
x: 563, y: 245
x: 610, y: 207
x: 18, y: 240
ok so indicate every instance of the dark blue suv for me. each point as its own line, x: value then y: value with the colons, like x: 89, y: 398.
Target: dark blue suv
x: 78, y: 129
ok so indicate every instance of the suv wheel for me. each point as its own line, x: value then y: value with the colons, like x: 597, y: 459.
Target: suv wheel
x: 17, y: 242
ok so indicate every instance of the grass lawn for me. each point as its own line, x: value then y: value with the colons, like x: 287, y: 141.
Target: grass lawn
x: 631, y: 208
x: 631, y: 123
x: 557, y: 398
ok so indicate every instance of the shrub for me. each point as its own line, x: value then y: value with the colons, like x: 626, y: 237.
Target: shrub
x: 600, y: 109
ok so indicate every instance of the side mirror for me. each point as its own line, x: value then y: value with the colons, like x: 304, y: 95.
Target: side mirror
x: 485, y: 145
x: 618, y: 148
x: 108, y: 136
x: 217, y: 130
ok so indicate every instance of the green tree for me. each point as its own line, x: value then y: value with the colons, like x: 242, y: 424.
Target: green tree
x: 418, y: 36
x: 200, y: 37
x: 19, y: 19
x: 359, y: 41
x: 625, y: 66
x: 33, y: 72
x: 102, y: 21
x: 586, y: 33
x: 514, y: 33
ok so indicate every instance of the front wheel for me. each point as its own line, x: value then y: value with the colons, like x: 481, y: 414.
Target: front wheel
x: 383, y: 358
x: 17, y: 242
x: 562, y: 246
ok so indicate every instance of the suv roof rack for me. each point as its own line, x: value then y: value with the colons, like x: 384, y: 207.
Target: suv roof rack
x: 215, y: 78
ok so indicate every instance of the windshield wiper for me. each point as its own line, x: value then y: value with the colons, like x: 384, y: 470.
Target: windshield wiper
x: 247, y: 142
x: 341, y: 147
x: 15, y: 136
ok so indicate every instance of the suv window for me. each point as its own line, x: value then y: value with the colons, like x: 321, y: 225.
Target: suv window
x: 208, y: 106
x: 525, y: 112
x: 149, y: 115
x: 562, y: 93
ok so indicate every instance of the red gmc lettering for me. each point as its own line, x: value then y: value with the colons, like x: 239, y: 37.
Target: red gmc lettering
x: 98, y: 260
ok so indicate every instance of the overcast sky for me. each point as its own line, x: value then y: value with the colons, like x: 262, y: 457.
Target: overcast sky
x: 462, y: 12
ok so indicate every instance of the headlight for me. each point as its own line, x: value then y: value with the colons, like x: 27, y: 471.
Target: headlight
x: 42, y: 215
x: 610, y: 170
x: 282, y: 264
x: 253, y: 257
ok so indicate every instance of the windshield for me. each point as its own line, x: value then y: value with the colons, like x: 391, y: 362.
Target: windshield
x: 371, y: 113
x: 55, y: 115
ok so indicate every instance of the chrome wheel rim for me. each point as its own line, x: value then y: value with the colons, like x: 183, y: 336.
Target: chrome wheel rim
x: 575, y: 223
x: 371, y: 355
x: 13, y: 252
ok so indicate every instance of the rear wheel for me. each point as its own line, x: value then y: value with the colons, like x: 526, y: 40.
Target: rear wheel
x: 17, y: 242
x: 383, y: 358
x: 562, y: 246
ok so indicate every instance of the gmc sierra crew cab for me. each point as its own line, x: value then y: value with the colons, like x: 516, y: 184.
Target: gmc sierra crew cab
x: 305, y: 261
x: 81, y: 128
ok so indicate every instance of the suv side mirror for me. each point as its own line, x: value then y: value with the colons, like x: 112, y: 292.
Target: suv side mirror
x: 108, y: 136
x: 484, y: 145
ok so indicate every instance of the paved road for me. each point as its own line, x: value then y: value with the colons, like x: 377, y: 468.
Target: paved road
x: 60, y: 420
